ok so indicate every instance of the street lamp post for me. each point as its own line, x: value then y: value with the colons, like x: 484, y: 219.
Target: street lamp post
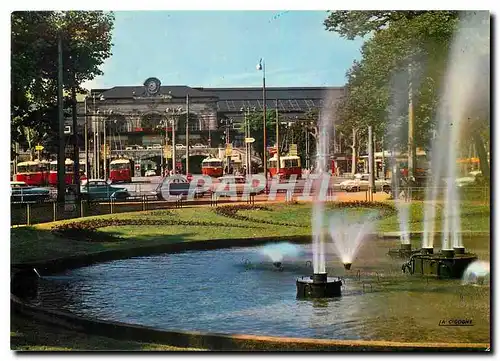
x: 262, y: 66
x: 248, y: 155
x: 86, y: 139
x: 61, y: 157
x: 278, y: 164
x: 187, y: 134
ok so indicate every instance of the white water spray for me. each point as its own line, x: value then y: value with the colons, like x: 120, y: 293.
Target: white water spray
x: 395, y: 131
x: 278, y: 251
x: 347, y: 235
x: 325, y: 124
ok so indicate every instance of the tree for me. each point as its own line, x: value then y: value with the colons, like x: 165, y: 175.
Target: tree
x: 291, y: 131
x: 256, y: 122
x: 86, y: 39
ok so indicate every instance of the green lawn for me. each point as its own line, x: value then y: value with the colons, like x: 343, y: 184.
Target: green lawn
x: 30, y: 335
x: 35, y: 243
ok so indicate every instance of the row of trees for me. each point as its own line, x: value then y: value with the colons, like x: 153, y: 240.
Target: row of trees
x: 404, y: 47
x: 86, y: 44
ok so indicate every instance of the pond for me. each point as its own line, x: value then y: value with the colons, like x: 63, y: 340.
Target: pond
x: 238, y: 290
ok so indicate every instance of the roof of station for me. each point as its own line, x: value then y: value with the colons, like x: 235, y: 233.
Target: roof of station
x: 289, y: 99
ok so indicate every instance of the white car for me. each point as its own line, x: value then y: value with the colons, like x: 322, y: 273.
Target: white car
x: 150, y: 173
x: 471, y: 178
x: 363, y: 183
x: 350, y: 182
x: 199, y: 145
x: 180, y: 146
x: 134, y: 147
x: 157, y: 146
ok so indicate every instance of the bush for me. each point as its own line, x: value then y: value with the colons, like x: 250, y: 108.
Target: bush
x: 87, y: 230
x: 232, y: 212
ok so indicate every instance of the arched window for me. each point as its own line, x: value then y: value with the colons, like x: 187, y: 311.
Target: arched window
x: 117, y: 124
x: 151, y: 121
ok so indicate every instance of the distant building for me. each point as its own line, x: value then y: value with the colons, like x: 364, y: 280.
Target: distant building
x: 138, y: 115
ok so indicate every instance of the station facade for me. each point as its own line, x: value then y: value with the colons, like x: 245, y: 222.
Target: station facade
x: 143, y: 116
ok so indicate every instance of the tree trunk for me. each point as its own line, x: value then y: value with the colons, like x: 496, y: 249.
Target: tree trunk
x: 482, y: 154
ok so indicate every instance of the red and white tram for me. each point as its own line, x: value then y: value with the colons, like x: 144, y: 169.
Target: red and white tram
x: 120, y: 170
x: 212, y: 167
x: 33, y: 173
x: 289, y: 164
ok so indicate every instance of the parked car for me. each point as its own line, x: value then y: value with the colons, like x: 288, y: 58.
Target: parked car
x: 349, y: 182
x: 240, y: 184
x: 180, y: 146
x: 134, y: 147
x: 176, y: 185
x: 21, y: 192
x: 362, y: 183
x: 99, y: 189
x: 157, y: 146
x: 150, y: 173
x: 199, y: 146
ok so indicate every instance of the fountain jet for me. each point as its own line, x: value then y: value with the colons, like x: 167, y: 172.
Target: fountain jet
x: 319, y: 284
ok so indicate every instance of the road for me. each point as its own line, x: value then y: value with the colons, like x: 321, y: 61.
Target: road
x: 148, y: 185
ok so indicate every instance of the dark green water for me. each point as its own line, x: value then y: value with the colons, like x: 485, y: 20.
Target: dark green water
x: 214, y: 291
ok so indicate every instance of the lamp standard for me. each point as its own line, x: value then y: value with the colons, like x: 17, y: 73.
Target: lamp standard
x: 60, y: 114
x: 248, y: 155
x: 187, y: 134
x: 86, y: 139
x: 105, y: 146
x: 262, y: 66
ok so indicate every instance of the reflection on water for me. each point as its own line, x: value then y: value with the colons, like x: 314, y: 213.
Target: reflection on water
x: 217, y: 291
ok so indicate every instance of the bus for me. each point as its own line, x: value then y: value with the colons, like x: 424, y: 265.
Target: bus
x: 120, y: 170
x: 33, y: 173
x: 289, y: 164
x: 68, y: 172
x: 212, y: 167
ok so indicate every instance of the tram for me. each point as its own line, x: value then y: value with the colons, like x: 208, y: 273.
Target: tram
x: 68, y: 172
x: 120, y: 170
x: 289, y: 164
x: 33, y: 173
x: 212, y: 167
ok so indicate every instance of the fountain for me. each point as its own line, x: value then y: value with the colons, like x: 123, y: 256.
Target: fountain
x: 319, y: 284
x: 347, y: 236
x: 459, y: 96
x: 477, y: 273
x: 278, y: 251
x: 394, y: 131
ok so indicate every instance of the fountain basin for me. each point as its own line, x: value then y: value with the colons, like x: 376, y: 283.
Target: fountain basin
x: 318, y: 285
x: 404, y: 251
x: 442, y: 265
x: 427, y: 250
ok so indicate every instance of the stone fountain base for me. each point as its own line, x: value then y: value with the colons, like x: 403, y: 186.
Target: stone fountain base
x: 319, y: 285
x: 404, y: 251
x: 450, y: 263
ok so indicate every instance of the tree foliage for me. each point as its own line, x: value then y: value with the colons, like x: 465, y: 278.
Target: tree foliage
x: 402, y: 48
x: 291, y: 131
x: 86, y: 44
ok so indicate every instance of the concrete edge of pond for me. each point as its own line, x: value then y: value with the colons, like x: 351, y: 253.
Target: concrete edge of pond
x: 225, y: 342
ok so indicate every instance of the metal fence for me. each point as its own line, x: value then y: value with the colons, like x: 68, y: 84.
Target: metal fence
x: 34, y: 213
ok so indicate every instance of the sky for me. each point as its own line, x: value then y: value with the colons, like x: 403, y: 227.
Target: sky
x: 222, y: 49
